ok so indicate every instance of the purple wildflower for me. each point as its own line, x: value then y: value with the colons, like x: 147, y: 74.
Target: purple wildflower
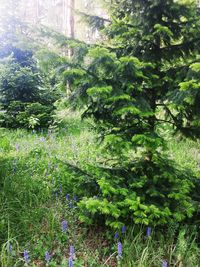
x: 164, y: 264
x: 43, y: 139
x: 123, y: 229
x: 47, y: 257
x: 116, y: 235
x: 75, y: 198
x: 64, y: 226
x: 71, y: 252
x: 70, y: 262
x: 68, y: 197
x: 119, y: 249
x: 71, y: 205
x: 148, y: 231
x: 26, y: 256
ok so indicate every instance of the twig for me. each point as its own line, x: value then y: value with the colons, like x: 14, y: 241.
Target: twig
x: 110, y: 257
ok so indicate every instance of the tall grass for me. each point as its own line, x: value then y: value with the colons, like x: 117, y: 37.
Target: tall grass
x: 186, y: 153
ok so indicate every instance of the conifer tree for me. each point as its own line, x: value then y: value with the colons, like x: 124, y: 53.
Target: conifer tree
x: 145, y: 76
x: 26, y: 92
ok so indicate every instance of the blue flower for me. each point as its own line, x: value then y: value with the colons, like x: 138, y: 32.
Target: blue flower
x: 47, y: 257
x: 64, y: 226
x: 75, y: 198
x: 68, y: 197
x: 71, y: 252
x: 43, y: 139
x: 123, y: 229
x: 26, y: 256
x: 70, y: 262
x: 71, y: 205
x: 116, y: 235
x: 164, y: 264
x: 148, y: 231
x: 119, y: 249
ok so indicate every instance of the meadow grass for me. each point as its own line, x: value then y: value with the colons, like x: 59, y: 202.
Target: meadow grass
x: 36, y: 173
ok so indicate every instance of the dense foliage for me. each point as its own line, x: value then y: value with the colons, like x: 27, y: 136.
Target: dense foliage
x: 142, y: 78
x: 27, y: 92
x: 27, y: 95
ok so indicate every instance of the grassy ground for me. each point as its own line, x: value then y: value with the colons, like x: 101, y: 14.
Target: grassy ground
x: 35, y: 170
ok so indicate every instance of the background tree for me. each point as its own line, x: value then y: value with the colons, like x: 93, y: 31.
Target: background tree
x: 27, y: 96
x: 26, y: 93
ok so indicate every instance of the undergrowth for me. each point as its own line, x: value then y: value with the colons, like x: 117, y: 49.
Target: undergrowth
x: 42, y: 179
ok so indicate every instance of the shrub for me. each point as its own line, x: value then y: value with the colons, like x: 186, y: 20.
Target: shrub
x: 27, y: 97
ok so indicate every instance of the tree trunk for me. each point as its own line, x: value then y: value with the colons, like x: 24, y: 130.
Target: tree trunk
x: 71, y: 23
x: 65, y: 15
x: 71, y: 20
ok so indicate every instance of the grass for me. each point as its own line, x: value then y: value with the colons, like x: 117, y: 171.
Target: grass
x: 36, y: 170
x: 186, y: 153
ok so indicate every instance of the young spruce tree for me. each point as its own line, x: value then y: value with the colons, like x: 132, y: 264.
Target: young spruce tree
x: 145, y: 75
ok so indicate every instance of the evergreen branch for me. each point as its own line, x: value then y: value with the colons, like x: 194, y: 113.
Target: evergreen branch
x: 170, y: 113
x: 94, y: 17
x: 79, y: 66
x: 78, y: 170
x: 98, y: 18
x: 181, y: 22
x: 179, y: 46
x: 170, y: 122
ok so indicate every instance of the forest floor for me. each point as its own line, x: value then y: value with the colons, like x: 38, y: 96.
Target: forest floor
x: 40, y: 215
